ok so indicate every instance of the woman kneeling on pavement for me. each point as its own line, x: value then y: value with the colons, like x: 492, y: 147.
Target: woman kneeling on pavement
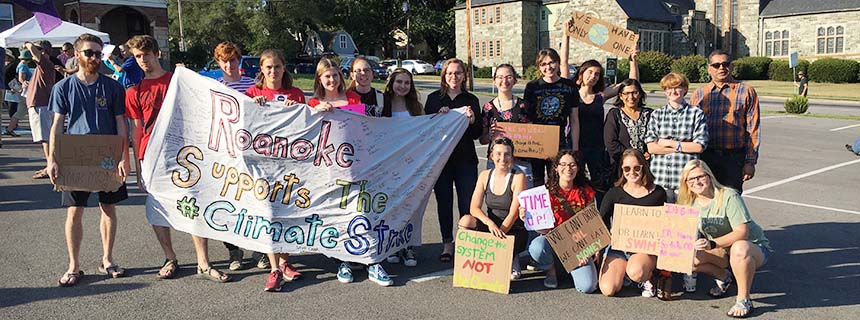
x: 499, y: 187
x: 569, y: 192
x: 725, y: 223
x: 635, y: 187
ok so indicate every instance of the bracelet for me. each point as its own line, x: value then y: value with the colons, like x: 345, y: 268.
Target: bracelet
x: 712, y: 244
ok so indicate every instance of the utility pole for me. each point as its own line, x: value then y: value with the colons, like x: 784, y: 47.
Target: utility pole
x: 182, y: 47
x: 469, y: 43
x: 405, y: 8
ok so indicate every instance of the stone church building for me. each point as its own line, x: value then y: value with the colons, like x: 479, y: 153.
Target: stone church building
x: 509, y: 31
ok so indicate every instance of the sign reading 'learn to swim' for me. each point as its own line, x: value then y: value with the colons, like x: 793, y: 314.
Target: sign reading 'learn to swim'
x: 602, y: 34
x: 482, y: 261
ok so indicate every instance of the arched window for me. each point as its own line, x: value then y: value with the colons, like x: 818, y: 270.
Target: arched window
x: 830, y: 40
x: 776, y: 43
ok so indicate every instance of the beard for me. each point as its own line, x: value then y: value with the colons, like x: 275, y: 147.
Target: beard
x: 88, y: 66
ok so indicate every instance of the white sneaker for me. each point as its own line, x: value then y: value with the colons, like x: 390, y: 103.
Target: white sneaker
x: 690, y: 282
x: 648, y: 289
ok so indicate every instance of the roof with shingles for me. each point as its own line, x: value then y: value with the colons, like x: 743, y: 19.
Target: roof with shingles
x: 776, y: 8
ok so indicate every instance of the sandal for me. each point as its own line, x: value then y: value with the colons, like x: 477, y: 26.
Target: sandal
x: 722, y: 286
x: 114, y: 271
x: 445, y: 257
x: 745, y: 306
x: 168, y: 270
x: 217, y: 277
x: 70, y: 278
x: 41, y: 174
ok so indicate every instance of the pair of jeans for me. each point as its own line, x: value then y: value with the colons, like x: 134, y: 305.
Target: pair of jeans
x: 584, y: 277
x: 597, y: 162
x: 727, y: 165
x: 464, y: 176
x: 856, y: 146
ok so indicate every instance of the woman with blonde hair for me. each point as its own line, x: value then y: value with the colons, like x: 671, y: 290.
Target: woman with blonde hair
x: 329, y: 88
x: 725, y: 223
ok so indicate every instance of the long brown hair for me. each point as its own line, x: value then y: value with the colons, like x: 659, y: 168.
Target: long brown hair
x: 271, y: 54
x: 579, y: 181
x: 353, y: 83
x: 412, y: 104
x: 600, y: 84
x: 443, y: 85
x: 647, y: 176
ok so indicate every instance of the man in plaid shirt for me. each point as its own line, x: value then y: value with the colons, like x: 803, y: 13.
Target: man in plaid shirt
x: 732, y: 112
x: 676, y: 134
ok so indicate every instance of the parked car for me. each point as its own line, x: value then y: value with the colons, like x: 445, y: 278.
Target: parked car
x: 379, y: 72
x: 418, y: 67
x: 249, y: 67
x: 573, y: 69
x: 389, y: 64
x: 305, y: 68
x: 438, y: 66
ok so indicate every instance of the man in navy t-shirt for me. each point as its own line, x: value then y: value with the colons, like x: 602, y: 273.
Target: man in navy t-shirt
x: 94, y: 104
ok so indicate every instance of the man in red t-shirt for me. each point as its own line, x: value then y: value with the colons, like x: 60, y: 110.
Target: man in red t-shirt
x: 38, y: 94
x: 143, y: 101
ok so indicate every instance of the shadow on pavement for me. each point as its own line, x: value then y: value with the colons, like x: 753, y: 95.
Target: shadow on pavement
x: 18, y: 296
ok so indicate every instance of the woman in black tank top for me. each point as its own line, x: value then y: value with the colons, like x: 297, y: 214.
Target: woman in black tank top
x: 498, y: 189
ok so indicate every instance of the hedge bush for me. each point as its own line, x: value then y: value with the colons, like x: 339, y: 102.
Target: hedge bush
x: 623, y: 71
x: 704, y: 76
x: 653, y: 65
x: 796, y: 104
x: 751, y: 68
x: 779, y: 70
x: 834, y: 70
x: 532, y: 73
x: 690, y: 66
x: 484, y: 72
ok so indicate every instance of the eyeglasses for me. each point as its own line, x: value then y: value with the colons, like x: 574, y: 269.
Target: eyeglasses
x: 700, y: 178
x: 365, y: 70
x: 570, y: 165
x: 544, y: 64
x: 630, y: 94
x: 505, y: 78
x: 91, y: 53
x: 724, y: 64
x: 636, y: 169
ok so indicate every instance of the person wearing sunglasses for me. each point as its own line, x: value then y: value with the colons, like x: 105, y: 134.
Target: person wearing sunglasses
x: 732, y: 112
x: 569, y: 193
x: 725, y: 223
x: 635, y: 187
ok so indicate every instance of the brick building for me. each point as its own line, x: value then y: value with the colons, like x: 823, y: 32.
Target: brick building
x: 509, y: 31
x: 121, y: 19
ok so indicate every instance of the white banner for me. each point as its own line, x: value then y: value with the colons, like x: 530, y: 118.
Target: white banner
x: 291, y: 179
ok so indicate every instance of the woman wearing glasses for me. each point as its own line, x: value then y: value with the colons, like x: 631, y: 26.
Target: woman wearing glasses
x: 626, y: 124
x: 462, y: 166
x: 635, y: 187
x: 725, y: 223
x: 569, y: 192
x: 506, y: 107
x: 362, y: 77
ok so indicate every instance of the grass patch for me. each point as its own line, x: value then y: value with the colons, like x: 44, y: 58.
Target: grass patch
x: 812, y: 115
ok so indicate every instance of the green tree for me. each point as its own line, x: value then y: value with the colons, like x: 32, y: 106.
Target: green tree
x: 433, y: 21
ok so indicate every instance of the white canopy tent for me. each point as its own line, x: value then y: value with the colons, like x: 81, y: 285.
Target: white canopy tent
x: 29, y: 31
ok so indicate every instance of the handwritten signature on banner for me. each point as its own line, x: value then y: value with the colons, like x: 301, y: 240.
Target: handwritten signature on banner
x: 291, y: 179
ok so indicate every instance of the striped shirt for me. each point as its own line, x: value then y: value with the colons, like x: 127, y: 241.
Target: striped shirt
x: 686, y: 124
x: 732, y: 112
x: 242, y: 85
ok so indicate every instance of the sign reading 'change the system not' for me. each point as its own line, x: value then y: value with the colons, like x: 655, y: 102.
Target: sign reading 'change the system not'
x: 482, y: 261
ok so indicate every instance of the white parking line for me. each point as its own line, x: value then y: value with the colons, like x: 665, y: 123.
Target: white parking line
x: 776, y: 117
x: 434, y: 275
x: 845, y: 127
x: 798, y: 177
x: 803, y: 204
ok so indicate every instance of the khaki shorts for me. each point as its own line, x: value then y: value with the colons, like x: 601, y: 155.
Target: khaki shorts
x: 21, y: 113
x: 41, y: 120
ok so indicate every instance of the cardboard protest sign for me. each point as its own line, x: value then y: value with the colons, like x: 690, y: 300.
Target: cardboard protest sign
x: 602, y: 34
x: 637, y: 228
x: 291, y: 180
x: 483, y: 262
x: 88, y: 162
x: 538, y: 210
x: 680, y: 225
x: 579, y: 237
x: 532, y: 140
x: 357, y: 108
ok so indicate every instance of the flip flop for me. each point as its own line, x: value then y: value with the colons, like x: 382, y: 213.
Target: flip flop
x: 71, y: 278
x: 41, y: 174
x: 168, y: 269
x: 445, y: 257
x: 114, y: 271
x: 741, y: 305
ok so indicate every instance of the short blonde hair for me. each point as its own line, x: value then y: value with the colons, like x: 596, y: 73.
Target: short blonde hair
x: 674, y: 80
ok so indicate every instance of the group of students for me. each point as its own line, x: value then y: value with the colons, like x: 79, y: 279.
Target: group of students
x: 625, y: 145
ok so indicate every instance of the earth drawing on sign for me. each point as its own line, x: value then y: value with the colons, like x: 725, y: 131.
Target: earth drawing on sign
x: 598, y: 34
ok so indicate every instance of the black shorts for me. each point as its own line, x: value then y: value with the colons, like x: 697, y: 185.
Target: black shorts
x: 79, y: 198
